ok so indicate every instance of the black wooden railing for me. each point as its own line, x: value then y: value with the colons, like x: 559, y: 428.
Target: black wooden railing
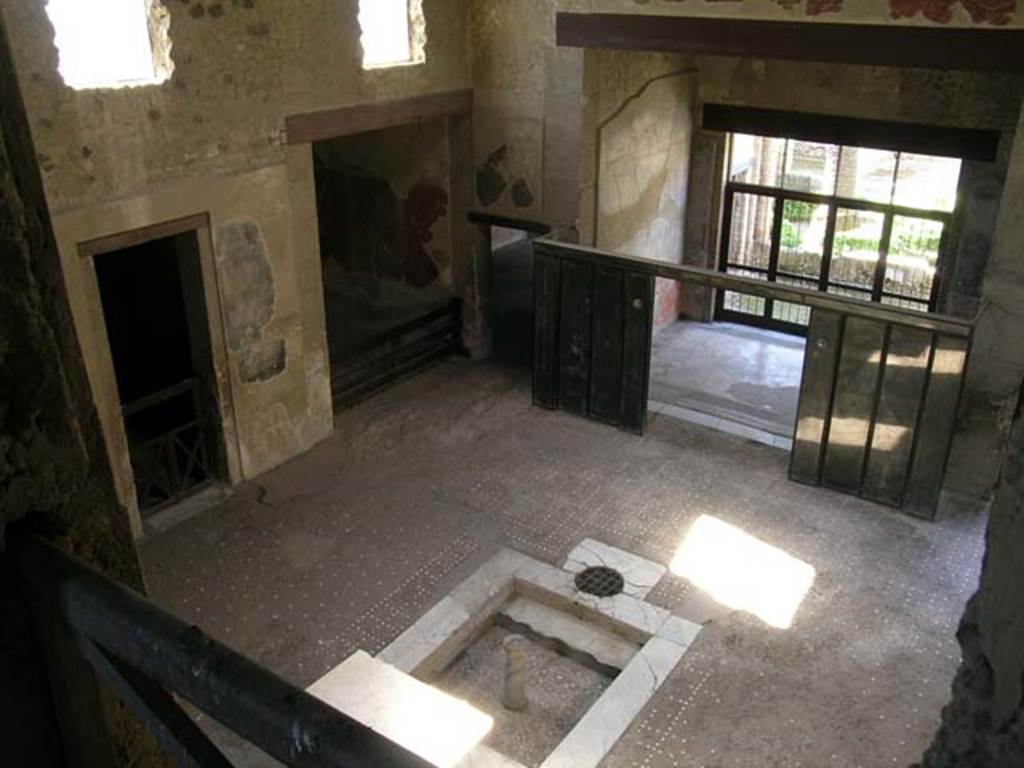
x: 149, y: 657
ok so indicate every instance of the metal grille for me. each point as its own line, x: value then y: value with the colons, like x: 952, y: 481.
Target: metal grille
x: 600, y: 580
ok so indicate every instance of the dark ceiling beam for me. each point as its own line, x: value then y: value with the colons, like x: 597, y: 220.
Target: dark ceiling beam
x: 891, y: 45
x: 964, y: 143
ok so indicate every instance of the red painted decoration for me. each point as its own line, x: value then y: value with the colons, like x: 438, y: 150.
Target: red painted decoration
x: 818, y: 7
x: 996, y: 12
x: 939, y: 11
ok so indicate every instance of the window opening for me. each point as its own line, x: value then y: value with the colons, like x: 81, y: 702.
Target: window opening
x: 111, y: 44
x: 852, y: 221
x: 393, y: 33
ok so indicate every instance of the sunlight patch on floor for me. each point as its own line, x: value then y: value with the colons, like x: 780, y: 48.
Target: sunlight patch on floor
x: 743, y: 572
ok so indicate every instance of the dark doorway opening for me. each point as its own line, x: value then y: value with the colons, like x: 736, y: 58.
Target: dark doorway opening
x: 386, y: 252
x: 157, y: 327
x: 512, y: 295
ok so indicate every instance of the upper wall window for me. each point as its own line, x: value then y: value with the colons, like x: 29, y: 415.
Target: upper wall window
x: 111, y: 44
x: 394, y: 33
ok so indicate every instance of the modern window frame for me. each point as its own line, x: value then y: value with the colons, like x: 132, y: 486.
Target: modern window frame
x: 780, y: 195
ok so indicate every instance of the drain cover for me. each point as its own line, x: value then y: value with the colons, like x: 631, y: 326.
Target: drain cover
x: 600, y: 580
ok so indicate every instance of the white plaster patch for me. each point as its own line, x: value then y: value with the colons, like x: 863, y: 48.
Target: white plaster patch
x: 641, y: 574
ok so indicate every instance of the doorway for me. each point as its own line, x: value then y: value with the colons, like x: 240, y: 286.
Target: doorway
x: 158, y: 331
x: 512, y: 295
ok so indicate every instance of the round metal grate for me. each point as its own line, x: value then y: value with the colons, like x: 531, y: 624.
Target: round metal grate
x: 600, y: 580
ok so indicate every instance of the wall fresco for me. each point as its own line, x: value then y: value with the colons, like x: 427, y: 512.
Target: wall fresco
x: 996, y: 12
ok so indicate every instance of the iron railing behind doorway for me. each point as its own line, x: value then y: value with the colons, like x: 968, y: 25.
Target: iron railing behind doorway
x: 170, y: 439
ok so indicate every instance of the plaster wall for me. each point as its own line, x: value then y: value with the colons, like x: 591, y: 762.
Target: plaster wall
x: 637, y: 130
x: 526, y: 117
x: 211, y: 141
x: 951, y: 98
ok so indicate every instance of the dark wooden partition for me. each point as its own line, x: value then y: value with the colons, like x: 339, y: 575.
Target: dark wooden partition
x: 877, y: 408
x: 592, y: 337
x: 879, y: 392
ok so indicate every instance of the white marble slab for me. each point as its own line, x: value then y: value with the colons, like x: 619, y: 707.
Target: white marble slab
x: 679, y: 631
x: 485, y: 757
x: 635, y: 619
x: 604, y: 723
x: 603, y: 645
x: 439, y: 634
x: 641, y: 575
x: 436, y: 726
x: 492, y: 582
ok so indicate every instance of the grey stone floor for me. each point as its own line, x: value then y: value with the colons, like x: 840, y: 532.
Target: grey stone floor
x: 343, y: 548
x: 736, y: 372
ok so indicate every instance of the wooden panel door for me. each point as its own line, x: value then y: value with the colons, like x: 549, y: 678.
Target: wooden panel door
x: 878, y: 406
x: 592, y: 339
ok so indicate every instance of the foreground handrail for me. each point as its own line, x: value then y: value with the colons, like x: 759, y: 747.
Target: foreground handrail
x: 145, y: 654
x: 945, y: 324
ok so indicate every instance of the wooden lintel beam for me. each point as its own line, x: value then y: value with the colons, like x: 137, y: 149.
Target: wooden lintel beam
x: 893, y: 45
x: 373, y: 116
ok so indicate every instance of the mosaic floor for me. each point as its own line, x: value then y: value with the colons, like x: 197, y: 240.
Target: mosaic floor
x: 346, y: 546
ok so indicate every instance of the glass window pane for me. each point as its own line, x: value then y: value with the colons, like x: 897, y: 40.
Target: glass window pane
x: 866, y: 174
x: 741, y: 302
x: 894, y: 301
x: 744, y: 304
x: 811, y: 167
x: 913, y: 256
x: 855, y: 250
x: 927, y: 182
x: 802, y: 241
x: 750, y: 235
x: 797, y: 314
x: 786, y: 312
x: 757, y: 160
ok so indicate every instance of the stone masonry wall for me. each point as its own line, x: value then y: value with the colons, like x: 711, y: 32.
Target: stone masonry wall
x: 983, y: 726
x: 54, y: 476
